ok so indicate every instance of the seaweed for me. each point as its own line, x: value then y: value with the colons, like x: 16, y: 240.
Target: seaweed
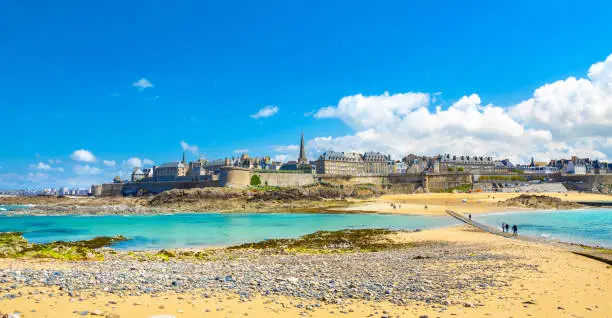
x: 343, y: 241
x: 14, y: 245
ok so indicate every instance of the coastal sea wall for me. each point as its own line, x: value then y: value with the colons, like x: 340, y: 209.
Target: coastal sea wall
x: 286, y: 179
x: 439, y: 182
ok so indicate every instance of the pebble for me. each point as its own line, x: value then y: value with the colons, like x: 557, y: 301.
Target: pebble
x: 393, y: 275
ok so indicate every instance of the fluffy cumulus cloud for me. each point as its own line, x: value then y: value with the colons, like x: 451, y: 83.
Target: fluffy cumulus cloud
x: 134, y: 162
x: 564, y: 118
x: 147, y: 162
x: 286, y: 152
x: 45, y: 167
x: 40, y: 166
x: 86, y: 170
x: 194, y: 149
x: 83, y: 155
x: 265, y: 112
x: 109, y: 163
x: 142, y: 84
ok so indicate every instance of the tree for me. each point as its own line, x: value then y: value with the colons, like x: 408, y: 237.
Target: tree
x: 450, y: 169
x: 255, y: 180
x: 117, y: 179
x: 460, y: 169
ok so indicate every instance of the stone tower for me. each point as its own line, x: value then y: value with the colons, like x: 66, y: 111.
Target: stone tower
x: 302, y: 160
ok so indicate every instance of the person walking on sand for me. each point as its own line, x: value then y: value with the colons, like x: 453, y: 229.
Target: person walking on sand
x: 507, y: 227
x: 514, y: 230
x: 503, y: 227
x: 470, y: 216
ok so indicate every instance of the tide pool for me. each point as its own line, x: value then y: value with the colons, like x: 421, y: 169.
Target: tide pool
x: 203, y: 229
x: 589, y: 226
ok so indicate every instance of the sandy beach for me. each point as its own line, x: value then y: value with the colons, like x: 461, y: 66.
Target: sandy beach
x: 438, y: 203
x: 483, y: 276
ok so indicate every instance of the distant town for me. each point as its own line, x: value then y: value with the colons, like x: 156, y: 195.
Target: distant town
x: 331, y: 166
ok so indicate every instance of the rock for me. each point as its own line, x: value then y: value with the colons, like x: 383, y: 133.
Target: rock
x: 96, y: 313
x: 469, y: 305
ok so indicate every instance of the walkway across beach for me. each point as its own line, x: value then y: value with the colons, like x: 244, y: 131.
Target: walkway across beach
x: 576, y: 249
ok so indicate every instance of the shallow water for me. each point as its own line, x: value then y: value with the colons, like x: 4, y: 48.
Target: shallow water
x: 588, y: 226
x: 203, y: 229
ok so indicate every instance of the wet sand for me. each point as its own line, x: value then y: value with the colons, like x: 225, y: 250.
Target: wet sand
x: 438, y: 203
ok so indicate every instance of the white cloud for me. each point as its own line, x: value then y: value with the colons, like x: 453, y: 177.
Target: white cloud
x: 280, y: 158
x: 561, y: 119
x: 45, y: 167
x: 191, y: 148
x: 142, y: 84
x: 109, y: 163
x: 37, y: 176
x: 86, y: 170
x: 240, y: 151
x: 54, y: 161
x: 266, y: 112
x: 40, y: 166
x: 148, y: 162
x: 83, y: 155
x: 286, y: 148
x: 134, y: 162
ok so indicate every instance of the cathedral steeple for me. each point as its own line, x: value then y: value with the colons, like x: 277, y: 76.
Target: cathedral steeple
x: 183, y: 157
x: 302, y: 158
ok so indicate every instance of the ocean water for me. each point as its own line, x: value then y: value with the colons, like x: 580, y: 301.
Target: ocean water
x: 587, y: 226
x: 198, y: 230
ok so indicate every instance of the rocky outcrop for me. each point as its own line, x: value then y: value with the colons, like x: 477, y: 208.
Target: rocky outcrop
x: 539, y: 202
x: 315, y: 193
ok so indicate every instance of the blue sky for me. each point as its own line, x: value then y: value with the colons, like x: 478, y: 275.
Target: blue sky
x: 68, y: 70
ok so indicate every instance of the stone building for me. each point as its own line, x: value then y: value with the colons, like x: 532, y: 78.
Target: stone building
x: 340, y: 163
x: 420, y: 164
x: 473, y: 164
x: 137, y: 174
x: 353, y: 163
x: 376, y: 163
x: 170, y: 171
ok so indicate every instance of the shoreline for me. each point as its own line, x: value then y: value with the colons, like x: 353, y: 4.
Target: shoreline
x: 412, y: 204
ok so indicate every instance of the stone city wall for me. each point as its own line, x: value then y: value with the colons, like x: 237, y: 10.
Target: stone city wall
x: 439, y: 182
x: 279, y: 179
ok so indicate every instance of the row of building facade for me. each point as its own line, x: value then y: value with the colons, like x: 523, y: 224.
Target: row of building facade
x: 363, y: 164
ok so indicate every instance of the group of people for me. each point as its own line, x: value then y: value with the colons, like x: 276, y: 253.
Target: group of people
x: 506, y: 228
x: 397, y: 206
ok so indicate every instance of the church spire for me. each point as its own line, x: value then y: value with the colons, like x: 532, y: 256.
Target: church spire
x: 183, y: 157
x: 302, y: 158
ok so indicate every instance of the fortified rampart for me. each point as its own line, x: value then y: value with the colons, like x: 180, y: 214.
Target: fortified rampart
x: 235, y: 177
x: 438, y: 182
x: 286, y: 179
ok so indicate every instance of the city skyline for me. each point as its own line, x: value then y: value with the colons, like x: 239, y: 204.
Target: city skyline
x: 84, y: 104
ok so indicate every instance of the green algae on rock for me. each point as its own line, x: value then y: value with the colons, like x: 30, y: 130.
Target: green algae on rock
x: 14, y: 245
x: 353, y: 240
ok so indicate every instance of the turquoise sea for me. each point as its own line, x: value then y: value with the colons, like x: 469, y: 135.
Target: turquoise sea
x: 203, y: 229
x: 589, y: 226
